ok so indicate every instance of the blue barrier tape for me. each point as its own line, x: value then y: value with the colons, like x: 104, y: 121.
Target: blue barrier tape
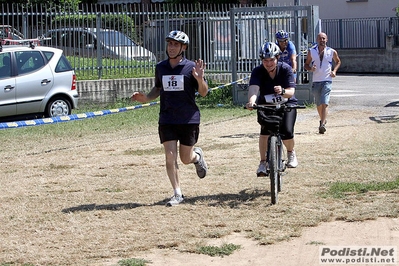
x: 67, y: 118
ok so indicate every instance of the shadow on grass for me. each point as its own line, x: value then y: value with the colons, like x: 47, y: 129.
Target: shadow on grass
x: 387, y: 118
x: 96, y: 207
x: 238, y: 136
x: 231, y: 200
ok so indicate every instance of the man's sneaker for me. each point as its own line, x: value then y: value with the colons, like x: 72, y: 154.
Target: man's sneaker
x: 292, y: 160
x: 262, y: 169
x: 322, y: 128
x: 200, y: 166
x: 175, y: 200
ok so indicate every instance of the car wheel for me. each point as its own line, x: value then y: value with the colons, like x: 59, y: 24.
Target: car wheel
x: 58, y: 107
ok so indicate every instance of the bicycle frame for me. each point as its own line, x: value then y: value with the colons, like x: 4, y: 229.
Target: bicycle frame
x: 274, y: 156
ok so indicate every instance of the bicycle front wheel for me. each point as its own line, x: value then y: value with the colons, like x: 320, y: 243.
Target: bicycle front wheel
x: 273, y: 165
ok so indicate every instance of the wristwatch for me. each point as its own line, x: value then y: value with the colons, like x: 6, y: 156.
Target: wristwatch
x: 282, y: 91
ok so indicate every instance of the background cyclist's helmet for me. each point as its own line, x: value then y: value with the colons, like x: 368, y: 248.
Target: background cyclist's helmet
x: 178, y: 36
x: 269, y: 50
x: 282, y: 34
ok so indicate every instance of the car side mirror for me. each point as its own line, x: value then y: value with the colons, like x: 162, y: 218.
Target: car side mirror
x: 90, y: 46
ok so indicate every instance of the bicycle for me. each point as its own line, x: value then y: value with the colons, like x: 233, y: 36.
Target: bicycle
x: 271, y: 116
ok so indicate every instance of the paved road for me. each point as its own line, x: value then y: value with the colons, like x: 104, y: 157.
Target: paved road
x: 365, y: 90
x: 379, y: 93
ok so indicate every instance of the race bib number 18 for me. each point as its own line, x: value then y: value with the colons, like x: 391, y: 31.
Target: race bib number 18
x: 173, y: 82
x: 275, y: 99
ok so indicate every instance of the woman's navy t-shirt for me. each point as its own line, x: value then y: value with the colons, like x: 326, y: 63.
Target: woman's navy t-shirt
x: 177, y: 95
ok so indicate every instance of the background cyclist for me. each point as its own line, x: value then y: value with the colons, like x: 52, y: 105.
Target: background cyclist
x: 288, y: 50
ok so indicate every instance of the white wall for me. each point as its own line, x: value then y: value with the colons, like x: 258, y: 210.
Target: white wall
x: 336, y: 9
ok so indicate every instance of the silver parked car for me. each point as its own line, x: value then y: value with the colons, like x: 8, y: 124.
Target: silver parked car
x: 88, y: 42
x: 35, y: 81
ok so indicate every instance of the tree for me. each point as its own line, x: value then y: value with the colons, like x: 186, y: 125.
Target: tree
x: 68, y: 3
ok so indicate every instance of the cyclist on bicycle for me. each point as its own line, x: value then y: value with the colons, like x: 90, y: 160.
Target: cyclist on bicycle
x: 273, y: 82
x: 288, y: 50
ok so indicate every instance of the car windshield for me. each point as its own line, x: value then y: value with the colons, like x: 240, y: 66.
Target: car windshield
x: 116, y: 38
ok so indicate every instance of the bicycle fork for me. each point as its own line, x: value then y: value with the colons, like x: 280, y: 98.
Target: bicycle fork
x: 281, y: 163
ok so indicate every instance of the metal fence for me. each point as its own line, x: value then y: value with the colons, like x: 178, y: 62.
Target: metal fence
x: 145, y: 25
x: 96, y: 37
x: 365, y: 33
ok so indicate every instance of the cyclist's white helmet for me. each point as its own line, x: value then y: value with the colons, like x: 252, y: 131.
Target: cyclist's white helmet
x: 269, y: 50
x: 178, y: 36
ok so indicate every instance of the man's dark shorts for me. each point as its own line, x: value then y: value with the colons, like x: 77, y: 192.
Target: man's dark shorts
x: 185, y: 134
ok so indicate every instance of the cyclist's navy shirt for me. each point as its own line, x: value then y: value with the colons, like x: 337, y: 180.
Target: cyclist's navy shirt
x: 177, y: 95
x: 285, y: 55
x: 284, y: 78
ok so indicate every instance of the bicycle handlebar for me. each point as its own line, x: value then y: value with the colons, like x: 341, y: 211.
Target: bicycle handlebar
x: 282, y: 107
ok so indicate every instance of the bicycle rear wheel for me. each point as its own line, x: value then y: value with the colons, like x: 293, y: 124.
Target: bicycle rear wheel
x: 274, y: 171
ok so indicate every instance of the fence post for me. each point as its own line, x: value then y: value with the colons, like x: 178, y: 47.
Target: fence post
x: 378, y: 34
x: 233, y: 51
x: 25, y: 24
x: 341, y: 35
x: 389, y: 42
x: 99, y: 48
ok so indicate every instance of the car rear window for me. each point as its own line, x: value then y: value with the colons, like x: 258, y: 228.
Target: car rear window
x: 63, y: 65
x: 48, y: 55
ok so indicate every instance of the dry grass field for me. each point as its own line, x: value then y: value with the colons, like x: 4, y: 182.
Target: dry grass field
x: 95, y: 199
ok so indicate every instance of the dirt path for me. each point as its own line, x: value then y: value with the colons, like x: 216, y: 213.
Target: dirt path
x: 301, y: 251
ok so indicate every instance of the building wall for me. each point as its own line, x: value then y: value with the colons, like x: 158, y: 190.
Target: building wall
x: 366, y: 61
x: 337, y: 9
